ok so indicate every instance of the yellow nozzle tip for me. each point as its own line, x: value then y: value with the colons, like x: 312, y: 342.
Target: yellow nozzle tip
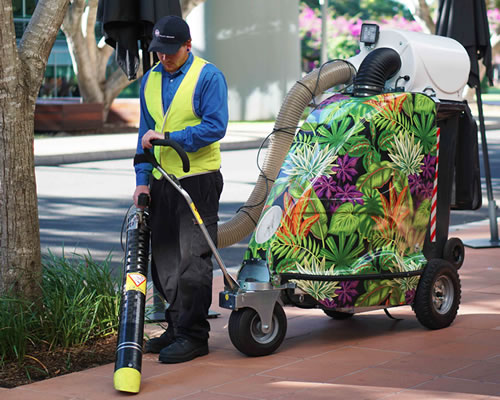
x: 127, y: 380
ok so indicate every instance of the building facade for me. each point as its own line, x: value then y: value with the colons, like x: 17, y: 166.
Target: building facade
x: 256, y: 45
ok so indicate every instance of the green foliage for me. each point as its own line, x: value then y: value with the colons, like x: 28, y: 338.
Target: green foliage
x: 370, y: 217
x: 389, y: 115
x: 317, y: 289
x: 292, y: 240
x: 345, y: 253
x: 344, y: 220
x: 314, y: 207
x: 344, y: 19
x: 365, y: 9
x: 380, y: 292
x: 406, y: 154
x: 377, y: 176
x: 80, y: 302
x: 425, y: 130
x: 18, y: 327
x: 296, y: 248
x: 421, y: 217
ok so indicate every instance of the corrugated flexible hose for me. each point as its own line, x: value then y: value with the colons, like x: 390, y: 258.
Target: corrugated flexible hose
x: 298, y: 98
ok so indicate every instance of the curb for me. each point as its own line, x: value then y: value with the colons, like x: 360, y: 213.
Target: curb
x: 73, y: 158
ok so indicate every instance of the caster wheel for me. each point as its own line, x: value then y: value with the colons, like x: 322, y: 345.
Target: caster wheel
x: 454, y: 252
x: 245, y: 331
x: 338, y: 314
x: 438, y: 295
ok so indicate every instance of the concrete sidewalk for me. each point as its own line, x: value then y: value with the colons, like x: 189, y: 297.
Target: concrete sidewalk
x: 366, y: 357
x: 51, y: 151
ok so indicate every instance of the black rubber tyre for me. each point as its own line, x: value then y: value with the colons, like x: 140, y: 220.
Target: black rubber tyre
x: 438, y: 295
x: 454, y: 252
x: 338, y: 314
x: 246, y: 334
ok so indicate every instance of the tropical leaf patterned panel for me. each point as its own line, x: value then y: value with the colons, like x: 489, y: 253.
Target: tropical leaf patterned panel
x: 355, y: 192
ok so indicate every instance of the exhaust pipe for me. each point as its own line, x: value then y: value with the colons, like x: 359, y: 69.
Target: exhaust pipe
x: 378, y: 66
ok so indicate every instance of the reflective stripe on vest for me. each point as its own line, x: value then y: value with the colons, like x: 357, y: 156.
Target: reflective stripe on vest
x: 179, y: 115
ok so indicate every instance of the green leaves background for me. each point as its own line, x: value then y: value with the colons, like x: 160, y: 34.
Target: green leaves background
x: 354, y: 235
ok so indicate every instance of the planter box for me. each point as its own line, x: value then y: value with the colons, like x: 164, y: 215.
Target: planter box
x: 67, y: 114
x: 124, y: 112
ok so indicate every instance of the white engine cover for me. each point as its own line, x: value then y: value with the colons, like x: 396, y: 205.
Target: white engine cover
x: 433, y: 63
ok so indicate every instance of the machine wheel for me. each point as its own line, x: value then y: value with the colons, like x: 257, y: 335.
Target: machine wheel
x: 438, y: 295
x: 338, y: 314
x: 246, y: 333
x: 454, y: 252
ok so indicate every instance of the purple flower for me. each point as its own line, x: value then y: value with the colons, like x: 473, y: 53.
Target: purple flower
x: 345, y: 169
x: 428, y: 167
x: 347, y: 292
x: 399, y: 22
x: 329, y: 303
x: 349, y: 193
x: 325, y: 187
x: 410, y: 296
x: 414, y: 182
x: 332, y: 99
x: 425, y: 190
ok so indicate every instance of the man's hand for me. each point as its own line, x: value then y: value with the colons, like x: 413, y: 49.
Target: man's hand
x: 138, y: 190
x: 150, y: 135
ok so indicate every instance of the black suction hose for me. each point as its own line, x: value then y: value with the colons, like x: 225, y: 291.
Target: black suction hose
x: 378, y: 66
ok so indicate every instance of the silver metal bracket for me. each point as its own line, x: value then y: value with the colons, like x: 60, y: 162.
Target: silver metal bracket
x: 262, y: 301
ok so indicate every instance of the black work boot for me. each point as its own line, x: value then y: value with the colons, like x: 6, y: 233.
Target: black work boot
x: 183, y: 350
x: 155, y: 345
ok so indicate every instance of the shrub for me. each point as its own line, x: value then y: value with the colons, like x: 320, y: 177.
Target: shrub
x: 80, y: 302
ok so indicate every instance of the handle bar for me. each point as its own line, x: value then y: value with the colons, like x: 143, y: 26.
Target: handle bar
x: 143, y: 200
x: 174, y: 145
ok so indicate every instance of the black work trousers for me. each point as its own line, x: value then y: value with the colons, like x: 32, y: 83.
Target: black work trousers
x: 181, y: 257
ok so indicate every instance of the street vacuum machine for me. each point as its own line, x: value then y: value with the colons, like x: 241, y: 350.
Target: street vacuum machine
x: 350, y: 212
x: 356, y: 202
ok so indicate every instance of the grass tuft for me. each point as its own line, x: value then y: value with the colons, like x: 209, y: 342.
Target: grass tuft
x: 80, y: 302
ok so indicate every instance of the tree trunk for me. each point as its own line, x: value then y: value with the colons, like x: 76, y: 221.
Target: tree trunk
x: 422, y: 14
x: 91, y: 58
x: 20, y: 262
x: 21, y: 73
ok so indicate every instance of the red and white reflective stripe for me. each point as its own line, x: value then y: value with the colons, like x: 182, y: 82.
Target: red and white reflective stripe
x: 434, y: 192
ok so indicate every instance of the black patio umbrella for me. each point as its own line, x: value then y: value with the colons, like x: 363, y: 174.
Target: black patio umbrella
x: 128, y: 26
x: 466, y: 21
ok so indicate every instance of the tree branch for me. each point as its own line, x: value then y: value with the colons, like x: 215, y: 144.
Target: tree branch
x: 74, y: 14
x: 422, y: 14
x: 40, y: 35
x: 116, y: 82
x: 104, y: 51
x: 9, y: 60
x: 188, y: 5
x: 91, y: 19
x: 425, y: 15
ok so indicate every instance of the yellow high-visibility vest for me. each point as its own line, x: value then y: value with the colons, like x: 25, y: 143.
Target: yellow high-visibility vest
x: 179, y: 115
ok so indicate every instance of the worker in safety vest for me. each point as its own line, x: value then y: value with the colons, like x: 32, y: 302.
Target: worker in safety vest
x: 185, y: 96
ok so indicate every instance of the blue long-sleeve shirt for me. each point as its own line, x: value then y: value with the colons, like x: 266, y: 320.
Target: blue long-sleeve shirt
x: 210, y: 104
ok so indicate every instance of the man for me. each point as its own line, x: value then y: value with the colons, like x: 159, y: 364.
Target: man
x: 185, y: 98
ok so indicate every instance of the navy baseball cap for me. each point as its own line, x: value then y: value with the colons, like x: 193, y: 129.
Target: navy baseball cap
x: 169, y: 34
